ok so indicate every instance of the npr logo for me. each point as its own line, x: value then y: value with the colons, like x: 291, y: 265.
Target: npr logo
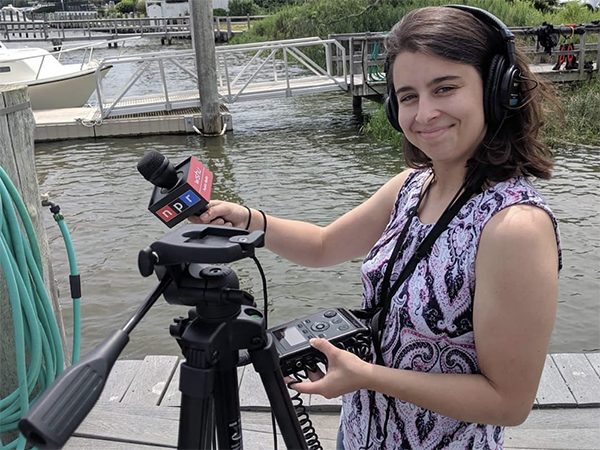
x: 176, y: 207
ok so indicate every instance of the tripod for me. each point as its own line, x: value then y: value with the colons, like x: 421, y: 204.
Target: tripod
x: 223, y: 320
x: 208, y: 380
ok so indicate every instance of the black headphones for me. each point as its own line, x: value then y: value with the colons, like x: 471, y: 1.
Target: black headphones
x: 501, y: 90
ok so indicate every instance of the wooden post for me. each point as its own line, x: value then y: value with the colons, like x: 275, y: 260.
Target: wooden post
x: 582, y: 46
x: 17, y: 158
x: 598, y: 52
x: 203, y: 39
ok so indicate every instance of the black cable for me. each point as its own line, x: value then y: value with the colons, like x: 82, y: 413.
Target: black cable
x: 264, y: 284
x: 308, y: 430
x: 266, y: 313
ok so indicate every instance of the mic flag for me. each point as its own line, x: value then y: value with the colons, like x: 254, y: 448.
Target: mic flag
x: 173, y: 202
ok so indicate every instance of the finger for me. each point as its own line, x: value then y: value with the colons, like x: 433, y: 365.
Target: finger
x: 307, y: 387
x: 315, y: 376
x: 324, y: 346
x: 214, y: 210
x: 217, y: 221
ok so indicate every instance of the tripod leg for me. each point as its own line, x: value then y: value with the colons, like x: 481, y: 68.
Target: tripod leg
x: 227, y: 409
x: 266, y: 363
x: 197, y: 415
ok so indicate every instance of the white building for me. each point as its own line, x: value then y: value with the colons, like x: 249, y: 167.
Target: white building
x: 162, y: 8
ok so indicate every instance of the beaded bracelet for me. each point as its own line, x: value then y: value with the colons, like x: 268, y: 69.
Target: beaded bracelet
x: 264, y: 219
x: 249, y: 217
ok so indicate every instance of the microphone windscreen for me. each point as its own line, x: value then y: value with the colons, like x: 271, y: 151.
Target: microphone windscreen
x: 150, y: 163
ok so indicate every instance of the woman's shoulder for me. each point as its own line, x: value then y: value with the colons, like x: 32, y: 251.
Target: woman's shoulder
x: 408, y: 180
x: 514, y: 191
x: 514, y: 210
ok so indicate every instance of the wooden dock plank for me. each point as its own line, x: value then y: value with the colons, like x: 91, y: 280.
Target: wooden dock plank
x: 551, y: 429
x: 562, y: 419
x: 120, y: 378
x: 152, y: 379
x: 580, y: 376
x: 580, y: 439
x: 594, y: 359
x: 76, y: 443
x: 552, y: 390
x: 147, y: 427
x: 253, y: 394
x: 172, y: 396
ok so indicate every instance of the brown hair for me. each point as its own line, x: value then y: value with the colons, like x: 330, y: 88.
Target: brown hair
x: 459, y: 36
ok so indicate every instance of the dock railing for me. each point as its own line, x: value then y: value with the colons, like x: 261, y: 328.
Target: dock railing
x: 365, y: 56
x: 71, y: 27
x: 268, y: 69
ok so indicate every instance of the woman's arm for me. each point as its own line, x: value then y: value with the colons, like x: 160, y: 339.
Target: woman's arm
x: 350, y: 236
x: 514, y: 310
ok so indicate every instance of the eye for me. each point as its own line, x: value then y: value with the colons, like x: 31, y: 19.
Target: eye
x: 407, y: 98
x: 445, y: 89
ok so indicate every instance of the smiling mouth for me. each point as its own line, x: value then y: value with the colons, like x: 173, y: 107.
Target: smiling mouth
x: 433, y: 134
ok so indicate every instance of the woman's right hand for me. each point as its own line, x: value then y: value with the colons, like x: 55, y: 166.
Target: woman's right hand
x: 223, y: 213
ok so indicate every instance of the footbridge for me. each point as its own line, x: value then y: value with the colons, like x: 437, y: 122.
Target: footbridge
x: 245, y: 72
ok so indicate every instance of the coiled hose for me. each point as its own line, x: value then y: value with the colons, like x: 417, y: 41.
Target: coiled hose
x: 35, y: 327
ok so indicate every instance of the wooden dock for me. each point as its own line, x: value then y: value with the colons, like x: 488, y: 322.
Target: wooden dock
x: 86, y: 123
x: 138, y: 409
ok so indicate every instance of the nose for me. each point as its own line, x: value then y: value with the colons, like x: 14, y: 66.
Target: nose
x: 428, y: 110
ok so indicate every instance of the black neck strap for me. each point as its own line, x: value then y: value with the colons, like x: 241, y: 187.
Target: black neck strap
x: 380, y: 311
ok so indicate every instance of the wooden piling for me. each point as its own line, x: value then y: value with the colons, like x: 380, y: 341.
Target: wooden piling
x: 201, y: 15
x: 17, y: 127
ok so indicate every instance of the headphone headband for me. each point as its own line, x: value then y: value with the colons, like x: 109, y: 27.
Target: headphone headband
x: 507, y: 36
x: 501, y: 89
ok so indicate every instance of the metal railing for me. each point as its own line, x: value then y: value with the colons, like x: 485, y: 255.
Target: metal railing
x: 364, y: 56
x: 276, y: 68
x: 71, y: 27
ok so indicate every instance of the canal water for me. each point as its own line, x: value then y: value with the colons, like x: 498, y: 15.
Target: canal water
x: 299, y: 158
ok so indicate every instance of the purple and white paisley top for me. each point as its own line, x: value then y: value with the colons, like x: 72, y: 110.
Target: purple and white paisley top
x: 430, y: 322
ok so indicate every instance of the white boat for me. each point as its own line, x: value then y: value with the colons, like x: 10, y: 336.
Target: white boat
x: 52, y: 85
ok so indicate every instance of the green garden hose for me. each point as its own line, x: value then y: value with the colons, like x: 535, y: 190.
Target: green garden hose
x: 35, y: 327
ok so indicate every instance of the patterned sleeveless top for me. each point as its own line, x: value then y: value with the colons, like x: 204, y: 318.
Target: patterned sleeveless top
x: 430, y: 322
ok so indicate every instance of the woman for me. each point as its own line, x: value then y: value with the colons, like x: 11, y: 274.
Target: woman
x: 465, y: 335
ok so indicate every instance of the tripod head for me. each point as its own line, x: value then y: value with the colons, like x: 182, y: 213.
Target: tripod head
x: 184, y: 255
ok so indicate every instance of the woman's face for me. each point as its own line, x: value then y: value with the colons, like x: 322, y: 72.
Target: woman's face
x: 440, y: 106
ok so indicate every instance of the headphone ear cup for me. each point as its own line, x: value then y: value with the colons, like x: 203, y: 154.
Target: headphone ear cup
x: 492, y: 102
x: 391, y: 110
x: 510, y: 93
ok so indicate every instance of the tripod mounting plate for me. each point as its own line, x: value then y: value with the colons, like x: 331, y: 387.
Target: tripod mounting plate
x: 200, y: 244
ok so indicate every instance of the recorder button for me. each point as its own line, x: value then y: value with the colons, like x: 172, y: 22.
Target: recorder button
x: 319, y: 326
x: 330, y: 313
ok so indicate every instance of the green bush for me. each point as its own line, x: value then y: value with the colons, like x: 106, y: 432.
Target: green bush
x: 219, y: 12
x: 140, y: 7
x: 125, y: 6
x: 243, y: 8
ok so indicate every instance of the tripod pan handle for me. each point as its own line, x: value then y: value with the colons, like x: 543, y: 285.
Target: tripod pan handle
x: 68, y: 400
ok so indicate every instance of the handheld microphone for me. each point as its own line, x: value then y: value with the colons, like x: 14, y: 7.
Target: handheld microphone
x: 179, y: 191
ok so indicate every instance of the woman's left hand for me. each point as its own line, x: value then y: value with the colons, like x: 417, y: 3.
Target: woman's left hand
x: 345, y: 373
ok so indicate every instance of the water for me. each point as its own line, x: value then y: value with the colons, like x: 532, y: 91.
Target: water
x: 298, y: 158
